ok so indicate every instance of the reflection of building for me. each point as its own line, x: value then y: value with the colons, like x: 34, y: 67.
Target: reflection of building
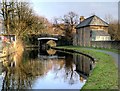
x: 91, y: 29
x: 83, y: 64
x: 0, y: 68
x: 25, y: 70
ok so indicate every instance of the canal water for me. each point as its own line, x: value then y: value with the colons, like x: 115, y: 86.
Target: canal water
x: 51, y: 69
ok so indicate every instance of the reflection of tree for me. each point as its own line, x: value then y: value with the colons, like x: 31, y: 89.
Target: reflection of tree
x: 65, y: 68
x: 22, y: 71
x: 69, y: 70
x: 21, y: 74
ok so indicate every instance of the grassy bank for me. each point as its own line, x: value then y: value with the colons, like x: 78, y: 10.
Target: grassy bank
x: 111, y: 50
x: 104, y: 75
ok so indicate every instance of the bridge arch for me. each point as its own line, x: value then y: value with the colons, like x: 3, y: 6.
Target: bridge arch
x: 46, y: 42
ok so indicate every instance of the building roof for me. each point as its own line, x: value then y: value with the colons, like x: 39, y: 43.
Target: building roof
x: 93, y: 20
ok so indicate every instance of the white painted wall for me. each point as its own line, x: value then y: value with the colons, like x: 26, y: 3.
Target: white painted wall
x: 102, y: 38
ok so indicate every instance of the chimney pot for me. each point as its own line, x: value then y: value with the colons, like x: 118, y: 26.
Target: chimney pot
x: 81, y: 18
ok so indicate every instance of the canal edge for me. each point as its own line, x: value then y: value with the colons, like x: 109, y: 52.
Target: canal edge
x: 75, y: 51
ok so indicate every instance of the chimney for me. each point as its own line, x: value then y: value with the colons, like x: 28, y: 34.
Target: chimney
x: 81, y: 18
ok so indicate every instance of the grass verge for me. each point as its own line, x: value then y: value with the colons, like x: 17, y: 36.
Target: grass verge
x: 104, y: 75
x: 111, y: 50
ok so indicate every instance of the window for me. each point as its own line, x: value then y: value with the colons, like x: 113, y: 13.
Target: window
x: 107, y: 37
x: 90, y: 33
x: 102, y: 38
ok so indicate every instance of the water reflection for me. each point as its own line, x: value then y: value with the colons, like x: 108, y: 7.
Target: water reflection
x: 20, y: 73
x: 35, y: 69
x: 84, y: 65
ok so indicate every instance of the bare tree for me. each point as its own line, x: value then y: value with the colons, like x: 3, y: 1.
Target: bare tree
x: 6, y: 10
x: 23, y: 20
x: 113, y: 27
x: 108, y: 18
x: 114, y: 31
x: 67, y: 23
x: 19, y: 19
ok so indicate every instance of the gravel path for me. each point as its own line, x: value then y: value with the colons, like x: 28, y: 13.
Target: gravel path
x: 116, y: 56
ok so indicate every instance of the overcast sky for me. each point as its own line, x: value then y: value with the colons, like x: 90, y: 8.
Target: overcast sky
x: 55, y: 8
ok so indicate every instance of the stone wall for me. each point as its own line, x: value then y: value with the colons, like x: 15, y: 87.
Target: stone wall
x: 106, y: 44
x: 82, y: 37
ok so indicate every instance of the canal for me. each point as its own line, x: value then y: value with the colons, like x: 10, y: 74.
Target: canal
x: 38, y: 69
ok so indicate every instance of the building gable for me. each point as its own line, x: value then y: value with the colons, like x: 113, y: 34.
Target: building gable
x: 90, y: 21
x: 98, y: 21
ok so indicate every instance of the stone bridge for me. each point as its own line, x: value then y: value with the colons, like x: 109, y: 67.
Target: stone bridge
x: 46, y: 42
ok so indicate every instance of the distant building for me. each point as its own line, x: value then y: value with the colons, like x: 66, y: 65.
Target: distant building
x: 91, y: 29
x: 5, y: 37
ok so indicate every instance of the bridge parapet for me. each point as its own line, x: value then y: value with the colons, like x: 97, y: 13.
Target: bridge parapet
x: 48, y: 38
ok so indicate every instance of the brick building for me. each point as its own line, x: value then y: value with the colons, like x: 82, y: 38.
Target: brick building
x: 91, y: 29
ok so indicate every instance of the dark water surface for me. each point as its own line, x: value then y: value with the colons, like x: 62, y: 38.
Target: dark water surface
x: 34, y: 69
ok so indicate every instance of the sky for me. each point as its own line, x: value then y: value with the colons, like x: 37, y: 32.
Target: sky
x: 55, y: 8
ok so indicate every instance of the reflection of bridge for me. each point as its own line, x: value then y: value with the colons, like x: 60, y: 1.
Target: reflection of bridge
x: 50, y: 57
x: 47, y: 57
